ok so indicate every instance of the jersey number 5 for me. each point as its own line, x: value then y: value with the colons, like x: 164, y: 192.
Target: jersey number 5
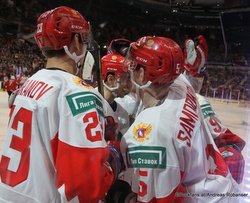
x: 21, y: 123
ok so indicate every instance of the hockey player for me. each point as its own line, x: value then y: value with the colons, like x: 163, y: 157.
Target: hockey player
x: 55, y: 149
x: 167, y: 147
x: 11, y: 85
x: 116, y: 83
x: 229, y: 144
x: 130, y: 102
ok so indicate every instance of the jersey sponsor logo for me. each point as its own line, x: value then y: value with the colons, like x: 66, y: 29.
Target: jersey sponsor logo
x: 146, y: 157
x: 207, y: 110
x: 141, y: 131
x: 84, y: 101
x: 80, y: 82
x: 188, y: 118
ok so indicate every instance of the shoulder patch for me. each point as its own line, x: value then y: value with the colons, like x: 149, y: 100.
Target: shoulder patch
x: 83, y: 101
x: 146, y: 157
x: 207, y: 110
x: 141, y: 131
x: 80, y: 82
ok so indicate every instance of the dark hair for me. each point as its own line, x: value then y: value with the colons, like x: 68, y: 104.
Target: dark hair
x: 61, y: 52
x: 109, y: 73
x: 53, y: 53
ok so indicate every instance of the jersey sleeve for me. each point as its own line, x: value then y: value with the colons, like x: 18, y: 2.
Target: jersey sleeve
x: 221, y: 134
x: 79, y: 149
x: 210, y: 118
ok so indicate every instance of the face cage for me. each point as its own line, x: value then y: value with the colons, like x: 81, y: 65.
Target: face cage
x: 89, y: 44
x: 111, y: 89
x: 131, y: 65
x: 118, y: 83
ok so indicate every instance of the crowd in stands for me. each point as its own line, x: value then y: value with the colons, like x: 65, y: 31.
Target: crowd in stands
x: 227, y: 83
x: 18, y: 57
x: 21, y: 59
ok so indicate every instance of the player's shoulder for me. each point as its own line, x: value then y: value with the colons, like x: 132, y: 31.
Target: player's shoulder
x: 179, y: 89
x: 159, y: 116
x: 120, y: 109
x: 202, y: 100
x: 69, y: 86
x: 62, y: 79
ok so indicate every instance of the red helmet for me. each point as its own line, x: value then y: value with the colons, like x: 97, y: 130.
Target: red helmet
x: 161, y: 57
x: 112, y: 63
x: 54, y: 28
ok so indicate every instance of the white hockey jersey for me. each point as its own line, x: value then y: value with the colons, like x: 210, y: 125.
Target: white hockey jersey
x: 129, y: 102
x: 55, y: 149
x: 214, y: 124
x: 123, y: 118
x: 167, y: 148
x: 120, y: 116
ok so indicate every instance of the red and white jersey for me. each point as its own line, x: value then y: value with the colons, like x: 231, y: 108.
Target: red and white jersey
x: 167, y: 149
x: 55, y: 150
x: 221, y: 134
x: 212, y: 121
x: 11, y: 85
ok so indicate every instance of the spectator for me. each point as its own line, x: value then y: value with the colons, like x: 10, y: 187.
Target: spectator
x: 11, y: 85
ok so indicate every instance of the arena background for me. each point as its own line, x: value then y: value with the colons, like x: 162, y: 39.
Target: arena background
x: 224, y: 23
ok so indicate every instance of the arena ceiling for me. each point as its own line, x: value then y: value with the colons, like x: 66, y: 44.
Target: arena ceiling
x: 190, y: 13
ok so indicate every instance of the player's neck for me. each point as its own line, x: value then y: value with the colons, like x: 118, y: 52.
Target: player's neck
x: 148, y: 99
x: 108, y: 95
x: 64, y: 64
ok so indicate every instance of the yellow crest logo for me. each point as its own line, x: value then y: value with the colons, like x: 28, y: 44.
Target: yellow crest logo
x: 141, y: 131
x: 113, y: 58
x: 74, y: 13
x: 150, y: 43
x: 80, y: 82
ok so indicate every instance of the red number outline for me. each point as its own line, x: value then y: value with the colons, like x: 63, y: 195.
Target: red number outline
x: 95, y: 121
x: 216, y: 124
x: 143, y: 186
x: 21, y: 144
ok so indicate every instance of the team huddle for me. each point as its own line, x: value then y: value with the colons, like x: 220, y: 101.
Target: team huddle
x: 148, y: 136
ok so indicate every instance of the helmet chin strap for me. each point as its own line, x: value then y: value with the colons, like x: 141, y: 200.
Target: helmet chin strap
x: 112, y: 89
x: 76, y: 58
x: 137, y: 86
